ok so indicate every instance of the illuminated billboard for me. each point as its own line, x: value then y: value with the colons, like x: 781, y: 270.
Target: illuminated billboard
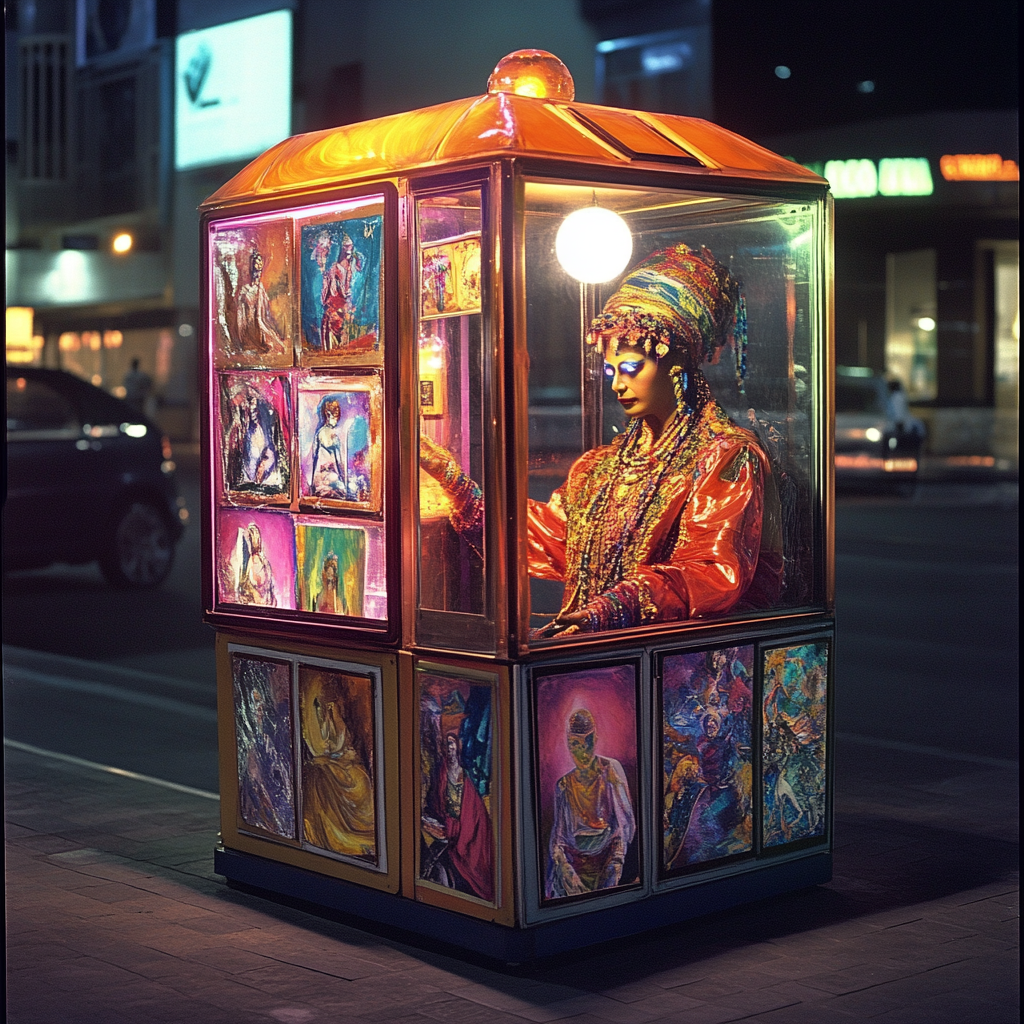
x: 233, y: 90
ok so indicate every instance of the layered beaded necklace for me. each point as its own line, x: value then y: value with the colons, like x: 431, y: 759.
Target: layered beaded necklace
x: 621, y: 499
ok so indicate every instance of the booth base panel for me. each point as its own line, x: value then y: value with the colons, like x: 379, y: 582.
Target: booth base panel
x: 419, y: 922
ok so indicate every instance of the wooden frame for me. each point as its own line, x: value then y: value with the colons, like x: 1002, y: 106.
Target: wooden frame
x: 421, y: 680
x: 384, y: 874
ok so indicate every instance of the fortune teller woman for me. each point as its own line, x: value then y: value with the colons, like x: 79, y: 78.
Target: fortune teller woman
x: 678, y: 518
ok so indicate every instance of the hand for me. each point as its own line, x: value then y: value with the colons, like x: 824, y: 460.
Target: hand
x: 578, y: 619
x: 433, y: 458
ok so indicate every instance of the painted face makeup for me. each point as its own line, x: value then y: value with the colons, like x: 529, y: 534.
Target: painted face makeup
x: 641, y: 385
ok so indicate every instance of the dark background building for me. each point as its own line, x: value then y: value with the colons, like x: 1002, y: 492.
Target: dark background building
x: 97, y: 133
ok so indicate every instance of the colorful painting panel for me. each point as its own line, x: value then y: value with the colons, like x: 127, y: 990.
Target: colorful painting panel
x: 263, y: 737
x: 467, y: 273
x: 332, y: 559
x: 456, y: 763
x: 450, y: 278
x: 251, y: 265
x: 340, y: 761
x: 256, y: 437
x: 340, y: 450
x: 586, y: 770
x: 341, y: 276
x: 255, y: 558
x: 795, y: 710
x: 707, y: 757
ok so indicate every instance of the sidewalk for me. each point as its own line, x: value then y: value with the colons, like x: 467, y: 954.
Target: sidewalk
x: 114, y: 915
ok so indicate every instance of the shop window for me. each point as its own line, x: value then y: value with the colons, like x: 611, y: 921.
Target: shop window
x: 911, y: 352
x: 609, y: 530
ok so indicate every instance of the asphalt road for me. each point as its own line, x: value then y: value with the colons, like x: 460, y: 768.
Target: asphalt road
x: 927, y: 612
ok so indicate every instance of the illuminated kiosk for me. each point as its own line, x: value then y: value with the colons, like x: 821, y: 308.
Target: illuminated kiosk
x: 518, y: 534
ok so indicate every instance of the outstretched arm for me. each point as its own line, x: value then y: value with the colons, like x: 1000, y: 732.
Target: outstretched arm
x: 464, y: 495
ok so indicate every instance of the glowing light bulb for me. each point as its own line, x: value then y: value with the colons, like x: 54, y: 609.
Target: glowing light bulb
x: 122, y: 242
x: 593, y: 244
x: 926, y: 323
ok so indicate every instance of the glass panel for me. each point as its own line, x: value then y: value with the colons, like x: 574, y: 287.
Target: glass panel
x: 670, y: 458
x: 297, y: 406
x: 33, y: 406
x: 451, y: 393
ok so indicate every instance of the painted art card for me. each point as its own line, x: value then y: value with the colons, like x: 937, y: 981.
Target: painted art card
x: 262, y: 690
x: 251, y: 266
x: 586, y: 752
x: 341, y: 257
x: 456, y: 765
x: 795, y: 709
x: 256, y: 437
x: 467, y: 273
x: 450, y: 278
x: 339, y: 762
x: 255, y: 558
x: 331, y: 561
x: 707, y: 764
x: 340, y: 446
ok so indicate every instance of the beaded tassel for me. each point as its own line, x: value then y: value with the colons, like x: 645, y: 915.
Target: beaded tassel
x: 739, y: 335
x: 681, y: 387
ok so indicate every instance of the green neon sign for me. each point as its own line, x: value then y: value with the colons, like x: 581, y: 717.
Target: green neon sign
x: 891, y: 176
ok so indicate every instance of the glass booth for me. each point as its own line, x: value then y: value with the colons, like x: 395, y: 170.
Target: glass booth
x: 518, y: 500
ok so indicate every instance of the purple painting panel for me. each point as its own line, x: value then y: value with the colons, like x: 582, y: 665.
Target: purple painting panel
x: 339, y: 441
x: 255, y: 414
x: 255, y: 558
x: 707, y: 757
x: 586, y: 737
x: 263, y: 741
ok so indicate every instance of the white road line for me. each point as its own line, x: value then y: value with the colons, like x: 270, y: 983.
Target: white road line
x: 916, y: 748
x: 110, y: 769
x: 15, y: 674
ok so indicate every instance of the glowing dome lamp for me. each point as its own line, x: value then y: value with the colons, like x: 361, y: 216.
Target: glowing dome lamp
x: 593, y: 245
x: 535, y: 73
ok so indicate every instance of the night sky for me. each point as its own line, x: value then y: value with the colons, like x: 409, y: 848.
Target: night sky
x: 919, y: 56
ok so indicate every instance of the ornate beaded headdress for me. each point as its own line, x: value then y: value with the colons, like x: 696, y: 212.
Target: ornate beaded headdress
x: 677, y: 300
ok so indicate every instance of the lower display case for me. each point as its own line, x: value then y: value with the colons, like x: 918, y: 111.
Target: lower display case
x: 520, y: 810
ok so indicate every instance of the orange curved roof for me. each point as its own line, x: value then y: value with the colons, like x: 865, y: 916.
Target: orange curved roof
x: 502, y: 124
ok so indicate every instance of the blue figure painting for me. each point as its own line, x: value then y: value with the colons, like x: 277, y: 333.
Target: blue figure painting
x: 340, y: 274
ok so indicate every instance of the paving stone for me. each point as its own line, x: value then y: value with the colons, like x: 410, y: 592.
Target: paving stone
x: 101, y: 931
x: 854, y: 978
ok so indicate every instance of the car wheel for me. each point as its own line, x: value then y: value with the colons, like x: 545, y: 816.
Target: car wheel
x: 140, y: 550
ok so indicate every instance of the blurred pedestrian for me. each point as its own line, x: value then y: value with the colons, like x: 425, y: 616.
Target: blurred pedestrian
x: 137, y: 387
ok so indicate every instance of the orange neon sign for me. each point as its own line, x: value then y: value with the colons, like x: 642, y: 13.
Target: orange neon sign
x: 978, y: 167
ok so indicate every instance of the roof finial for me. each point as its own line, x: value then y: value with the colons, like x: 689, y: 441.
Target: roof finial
x: 534, y: 73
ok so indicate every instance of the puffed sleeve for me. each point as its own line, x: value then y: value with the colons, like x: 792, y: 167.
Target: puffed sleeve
x: 545, y: 538
x: 715, y: 555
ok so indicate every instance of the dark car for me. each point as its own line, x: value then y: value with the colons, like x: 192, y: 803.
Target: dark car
x: 877, y: 440
x: 88, y: 478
